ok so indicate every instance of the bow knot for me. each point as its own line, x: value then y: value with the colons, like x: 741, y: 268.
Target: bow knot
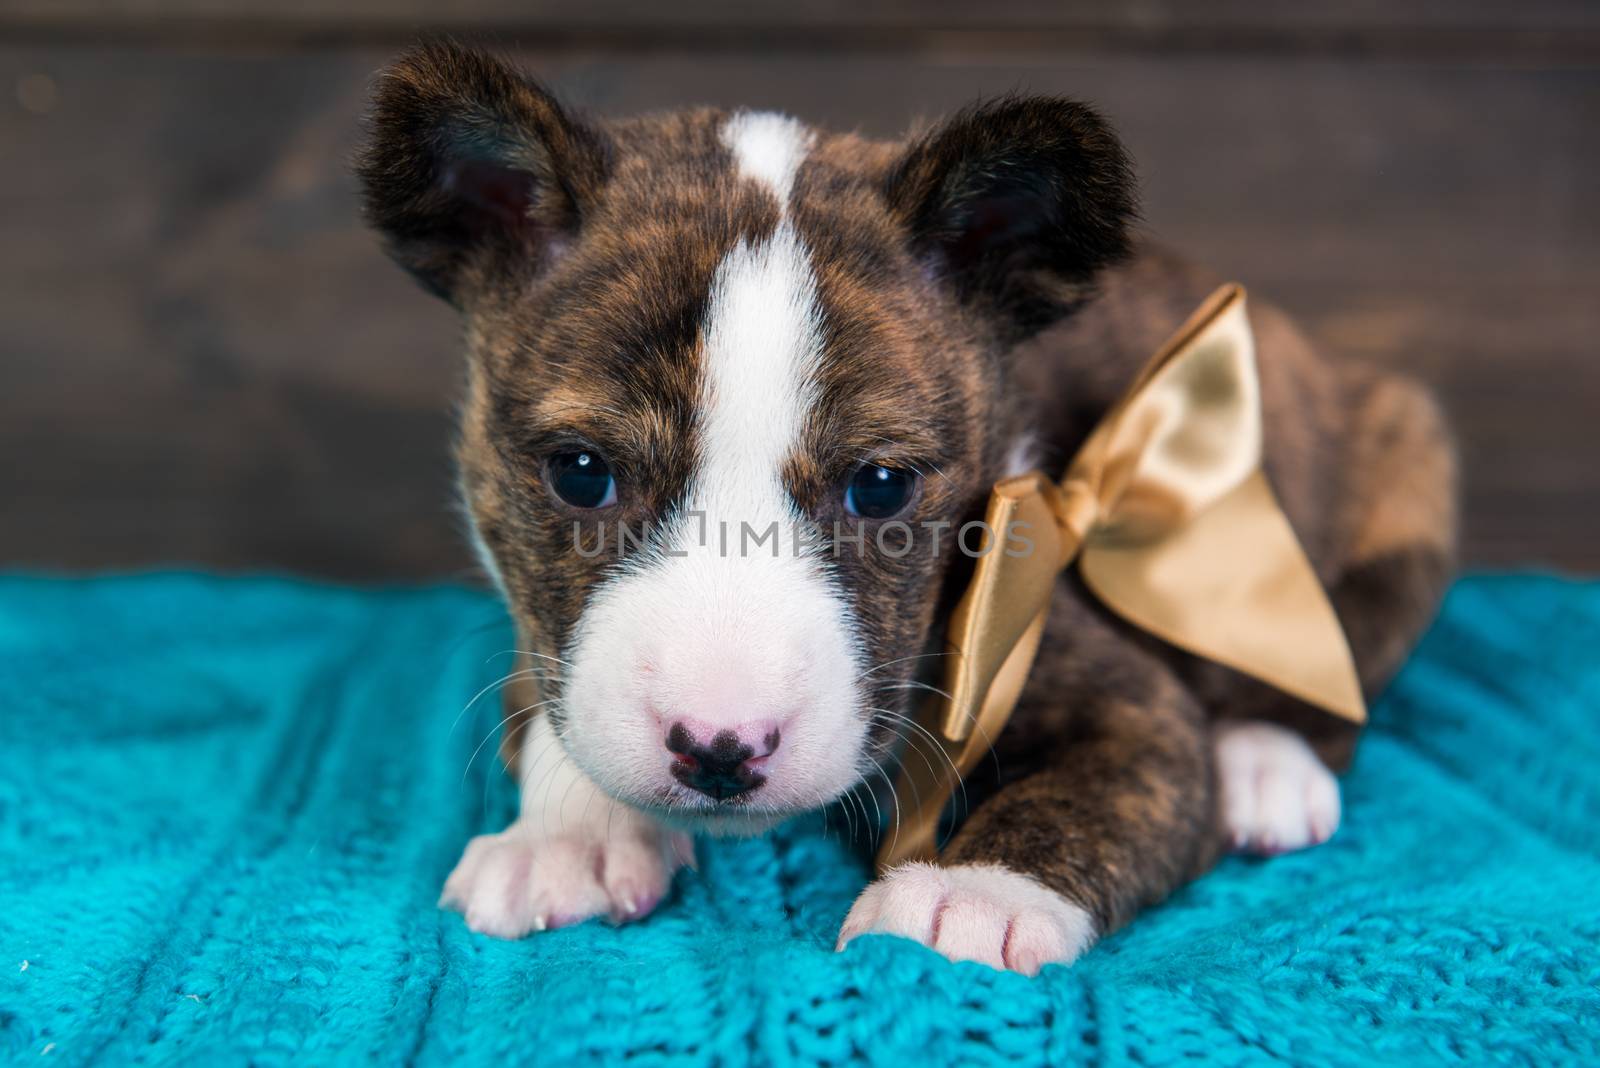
x: 1076, y: 509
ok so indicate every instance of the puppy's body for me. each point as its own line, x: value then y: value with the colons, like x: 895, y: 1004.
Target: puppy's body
x: 711, y: 321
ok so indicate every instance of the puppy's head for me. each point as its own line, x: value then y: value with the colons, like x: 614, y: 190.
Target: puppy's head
x: 735, y: 383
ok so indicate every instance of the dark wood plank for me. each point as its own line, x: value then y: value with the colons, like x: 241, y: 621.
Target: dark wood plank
x: 1498, y: 30
x: 203, y: 358
x: 843, y: 16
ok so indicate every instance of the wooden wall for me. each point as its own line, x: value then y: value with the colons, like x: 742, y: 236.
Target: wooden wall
x: 204, y: 359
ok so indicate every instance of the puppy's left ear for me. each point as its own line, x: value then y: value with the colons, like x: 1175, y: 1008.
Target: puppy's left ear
x: 1016, y: 204
x: 471, y: 169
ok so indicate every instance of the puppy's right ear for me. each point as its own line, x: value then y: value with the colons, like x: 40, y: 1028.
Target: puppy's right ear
x: 471, y: 168
x: 1016, y: 204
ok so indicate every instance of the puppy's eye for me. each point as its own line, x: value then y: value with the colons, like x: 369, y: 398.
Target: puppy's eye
x: 877, y: 492
x: 582, y: 478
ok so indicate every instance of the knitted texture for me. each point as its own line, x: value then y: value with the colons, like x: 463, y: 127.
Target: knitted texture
x: 227, y: 807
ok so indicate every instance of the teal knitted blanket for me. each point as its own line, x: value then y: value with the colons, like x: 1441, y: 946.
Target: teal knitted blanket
x: 227, y: 807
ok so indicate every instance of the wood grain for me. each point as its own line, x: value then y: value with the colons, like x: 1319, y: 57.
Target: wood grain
x: 204, y: 359
x: 847, y: 22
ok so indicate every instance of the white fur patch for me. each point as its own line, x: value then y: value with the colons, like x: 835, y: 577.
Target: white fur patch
x: 763, y: 341
x: 768, y: 148
x: 573, y: 853
x: 735, y: 621
x: 1276, y: 795
x: 1023, y: 456
x: 982, y: 912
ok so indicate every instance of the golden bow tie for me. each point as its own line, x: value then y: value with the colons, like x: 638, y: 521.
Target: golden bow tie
x: 1170, y: 519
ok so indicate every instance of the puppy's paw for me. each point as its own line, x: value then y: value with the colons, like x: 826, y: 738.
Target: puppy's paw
x: 514, y: 882
x: 981, y: 912
x: 1276, y: 795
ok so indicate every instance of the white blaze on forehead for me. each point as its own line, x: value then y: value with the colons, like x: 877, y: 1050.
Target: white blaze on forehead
x: 768, y: 148
x: 761, y: 345
x: 761, y: 340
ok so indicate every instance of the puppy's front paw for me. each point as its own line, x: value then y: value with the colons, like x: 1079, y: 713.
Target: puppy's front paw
x: 981, y: 912
x: 1276, y: 795
x: 510, y: 883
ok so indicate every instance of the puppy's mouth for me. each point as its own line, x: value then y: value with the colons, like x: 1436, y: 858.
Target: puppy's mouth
x: 736, y: 816
x: 732, y: 800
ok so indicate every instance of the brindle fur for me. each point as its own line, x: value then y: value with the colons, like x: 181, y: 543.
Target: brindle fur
x: 583, y: 288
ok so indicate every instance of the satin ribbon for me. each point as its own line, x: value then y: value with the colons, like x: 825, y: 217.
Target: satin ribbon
x: 1172, y: 525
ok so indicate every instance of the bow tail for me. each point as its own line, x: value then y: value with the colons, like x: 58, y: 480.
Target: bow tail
x: 933, y: 766
x: 1233, y: 585
x: 993, y: 636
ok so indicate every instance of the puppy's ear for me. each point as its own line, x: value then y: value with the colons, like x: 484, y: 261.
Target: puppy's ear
x: 470, y: 167
x: 1016, y: 203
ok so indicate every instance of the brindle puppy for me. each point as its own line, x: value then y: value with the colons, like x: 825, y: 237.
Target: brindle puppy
x: 718, y: 331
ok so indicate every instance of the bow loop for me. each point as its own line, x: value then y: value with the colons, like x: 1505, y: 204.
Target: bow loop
x: 1185, y: 436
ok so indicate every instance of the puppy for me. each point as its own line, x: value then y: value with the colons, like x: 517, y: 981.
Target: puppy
x: 714, y: 331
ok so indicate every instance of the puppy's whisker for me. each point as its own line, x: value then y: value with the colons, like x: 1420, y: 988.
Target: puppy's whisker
x: 894, y: 797
x: 545, y: 778
x: 550, y: 786
x: 528, y: 652
x: 903, y: 720
x: 914, y: 685
x: 583, y: 817
x: 546, y: 745
x: 850, y: 819
x: 503, y: 680
x: 851, y: 806
x: 897, y: 660
x: 915, y: 792
x: 877, y: 810
x: 503, y: 721
x: 987, y: 740
x: 872, y: 827
x: 561, y: 807
x: 956, y: 776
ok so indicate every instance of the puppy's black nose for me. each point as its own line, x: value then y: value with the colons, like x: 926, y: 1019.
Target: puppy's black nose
x: 722, y: 768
